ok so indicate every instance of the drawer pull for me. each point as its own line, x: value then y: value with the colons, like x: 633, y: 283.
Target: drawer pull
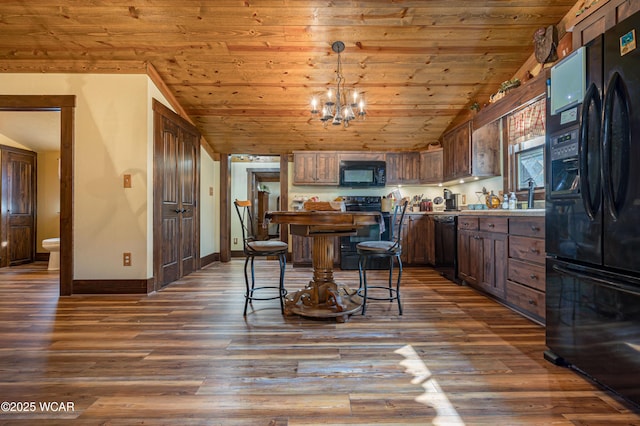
x: 534, y: 250
x: 491, y: 225
x: 535, y: 228
x: 532, y: 302
x: 533, y: 276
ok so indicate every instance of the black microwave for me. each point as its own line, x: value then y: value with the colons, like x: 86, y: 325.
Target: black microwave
x: 362, y: 174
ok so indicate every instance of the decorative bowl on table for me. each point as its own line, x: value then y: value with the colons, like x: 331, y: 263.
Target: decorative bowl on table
x: 324, y: 206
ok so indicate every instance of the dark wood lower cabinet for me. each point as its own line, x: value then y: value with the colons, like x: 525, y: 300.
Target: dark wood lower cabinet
x: 418, y: 237
x: 526, y: 275
x: 504, y: 257
x: 470, y: 250
x: 493, y: 275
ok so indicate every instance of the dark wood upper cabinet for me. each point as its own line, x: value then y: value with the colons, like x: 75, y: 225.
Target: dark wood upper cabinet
x: 485, y: 152
x: 457, y: 152
x: 599, y: 18
x: 315, y: 168
x: 403, y: 168
x: 431, y: 166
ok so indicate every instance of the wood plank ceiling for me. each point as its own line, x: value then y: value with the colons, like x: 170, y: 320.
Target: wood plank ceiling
x: 245, y: 71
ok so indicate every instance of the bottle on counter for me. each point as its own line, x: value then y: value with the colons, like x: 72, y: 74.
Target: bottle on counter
x: 512, y: 201
x: 505, y: 202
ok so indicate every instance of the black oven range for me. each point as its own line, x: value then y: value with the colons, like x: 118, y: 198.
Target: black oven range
x: 348, y: 253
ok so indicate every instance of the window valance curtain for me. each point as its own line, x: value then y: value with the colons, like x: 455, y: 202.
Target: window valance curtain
x: 527, y: 123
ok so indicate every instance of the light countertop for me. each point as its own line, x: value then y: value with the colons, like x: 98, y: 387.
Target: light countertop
x: 501, y: 212
x: 488, y: 212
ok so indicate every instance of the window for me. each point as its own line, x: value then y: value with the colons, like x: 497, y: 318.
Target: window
x: 525, y: 143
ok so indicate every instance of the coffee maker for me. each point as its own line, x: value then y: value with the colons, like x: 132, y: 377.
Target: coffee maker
x: 451, y: 202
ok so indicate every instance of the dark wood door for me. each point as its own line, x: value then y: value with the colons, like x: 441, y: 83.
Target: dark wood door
x: 170, y: 202
x: 176, y: 181
x: 18, y: 207
x: 189, y: 190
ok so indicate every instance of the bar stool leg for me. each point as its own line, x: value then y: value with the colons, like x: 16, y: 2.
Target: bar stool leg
x: 398, y: 284
x: 362, y: 269
x: 283, y: 263
x: 247, y: 294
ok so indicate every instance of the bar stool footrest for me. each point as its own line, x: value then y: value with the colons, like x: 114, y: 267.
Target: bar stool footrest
x: 389, y: 298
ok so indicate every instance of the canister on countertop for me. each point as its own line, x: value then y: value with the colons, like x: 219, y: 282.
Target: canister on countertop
x: 387, y: 204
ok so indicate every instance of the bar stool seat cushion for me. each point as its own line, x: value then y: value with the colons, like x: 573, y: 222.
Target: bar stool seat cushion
x: 382, y: 247
x: 267, y: 246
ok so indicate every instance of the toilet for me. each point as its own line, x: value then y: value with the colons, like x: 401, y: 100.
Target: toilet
x: 52, y: 245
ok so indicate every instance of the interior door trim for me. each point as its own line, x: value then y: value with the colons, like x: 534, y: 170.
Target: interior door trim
x: 66, y: 105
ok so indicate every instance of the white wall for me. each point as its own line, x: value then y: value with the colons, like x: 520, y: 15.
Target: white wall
x: 113, y: 137
x: 48, y: 189
x: 209, y: 204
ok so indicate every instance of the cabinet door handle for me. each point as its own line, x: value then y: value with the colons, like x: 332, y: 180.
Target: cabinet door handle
x: 532, y: 302
x: 178, y: 211
x: 533, y: 276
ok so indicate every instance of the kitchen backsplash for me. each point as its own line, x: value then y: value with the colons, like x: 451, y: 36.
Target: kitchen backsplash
x: 467, y: 191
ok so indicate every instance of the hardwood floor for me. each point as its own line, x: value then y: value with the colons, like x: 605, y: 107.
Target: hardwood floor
x: 186, y: 355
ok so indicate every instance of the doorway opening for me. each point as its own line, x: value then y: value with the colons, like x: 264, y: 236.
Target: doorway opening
x: 65, y: 105
x: 258, y: 179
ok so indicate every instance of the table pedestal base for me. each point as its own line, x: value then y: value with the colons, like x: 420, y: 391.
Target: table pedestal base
x: 323, y: 298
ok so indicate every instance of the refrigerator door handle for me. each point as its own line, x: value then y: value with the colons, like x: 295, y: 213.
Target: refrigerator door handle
x: 618, y: 286
x: 615, y: 195
x: 591, y: 99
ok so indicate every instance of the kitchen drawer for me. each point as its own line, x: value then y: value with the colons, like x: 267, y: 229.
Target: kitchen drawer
x: 525, y: 248
x: 468, y: 223
x: 529, y: 274
x: 494, y: 224
x: 527, y: 226
x: 526, y: 299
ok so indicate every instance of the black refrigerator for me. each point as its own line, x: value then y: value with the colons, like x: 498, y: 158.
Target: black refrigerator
x: 593, y: 218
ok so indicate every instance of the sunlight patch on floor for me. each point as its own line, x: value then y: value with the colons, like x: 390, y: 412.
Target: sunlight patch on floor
x: 433, y: 395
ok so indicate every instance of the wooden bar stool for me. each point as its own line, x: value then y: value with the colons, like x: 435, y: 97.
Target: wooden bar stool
x: 253, y: 248
x: 391, y: 249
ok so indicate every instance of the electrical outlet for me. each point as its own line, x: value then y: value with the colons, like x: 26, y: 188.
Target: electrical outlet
x: 127, y: 181
x: 235, y: 241
x: 126, y: 259
x: 211, y: 190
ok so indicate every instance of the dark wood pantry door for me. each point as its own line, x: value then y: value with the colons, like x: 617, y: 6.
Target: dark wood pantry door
x: 176, y: 193
x: 18, y: 218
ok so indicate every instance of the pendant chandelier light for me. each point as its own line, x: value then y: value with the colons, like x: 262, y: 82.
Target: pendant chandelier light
x: 338, y: 110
